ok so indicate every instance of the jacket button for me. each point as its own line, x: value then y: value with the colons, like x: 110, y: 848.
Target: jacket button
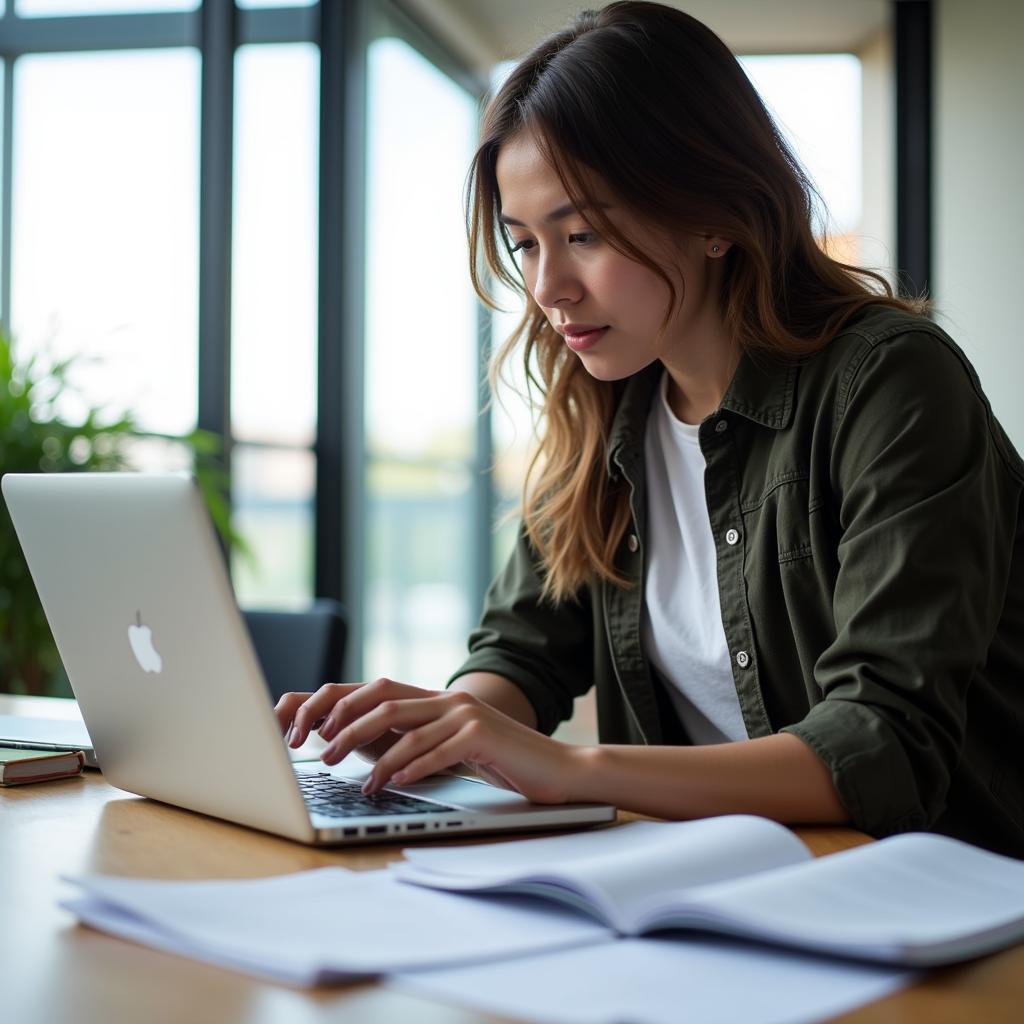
x: 742, y: 659
x: 732, y: 536
x: 721, y: 426
x: 633, y: 543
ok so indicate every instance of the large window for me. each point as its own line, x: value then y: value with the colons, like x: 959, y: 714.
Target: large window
x: 110, y: 211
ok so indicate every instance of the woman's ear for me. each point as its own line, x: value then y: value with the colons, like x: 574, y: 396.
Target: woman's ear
x: 716, y: 247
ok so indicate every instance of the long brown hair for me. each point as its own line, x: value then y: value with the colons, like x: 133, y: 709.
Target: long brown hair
x: 652, y: 102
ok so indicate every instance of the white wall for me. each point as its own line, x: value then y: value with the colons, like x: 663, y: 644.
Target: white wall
x: 978, y: 269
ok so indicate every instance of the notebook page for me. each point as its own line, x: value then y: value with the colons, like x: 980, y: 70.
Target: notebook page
x: 914, y: 898
x: 617, y: 869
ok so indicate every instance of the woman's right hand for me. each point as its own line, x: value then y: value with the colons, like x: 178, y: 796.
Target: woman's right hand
x: 299, y: 714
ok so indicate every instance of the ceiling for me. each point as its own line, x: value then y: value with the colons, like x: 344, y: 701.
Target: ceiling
x: 484, y: 32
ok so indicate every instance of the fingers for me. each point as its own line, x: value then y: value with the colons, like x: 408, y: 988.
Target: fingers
x: 306, y: 709
x: 360, y: 700
x: 444, y: 755
x: 285, y: 708
x: 397, y: 715
x: 413, y: 745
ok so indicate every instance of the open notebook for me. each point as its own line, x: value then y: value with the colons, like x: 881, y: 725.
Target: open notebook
x: 915, y: 899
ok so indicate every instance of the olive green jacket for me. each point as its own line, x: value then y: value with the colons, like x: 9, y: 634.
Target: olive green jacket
x: 866, y: 508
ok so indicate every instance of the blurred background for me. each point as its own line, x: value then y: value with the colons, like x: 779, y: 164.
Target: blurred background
x: 246, y: 218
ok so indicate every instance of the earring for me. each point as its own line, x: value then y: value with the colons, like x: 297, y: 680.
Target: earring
x: 716, y: 249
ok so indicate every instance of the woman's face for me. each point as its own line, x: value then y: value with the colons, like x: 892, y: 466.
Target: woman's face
x: 608, y: 307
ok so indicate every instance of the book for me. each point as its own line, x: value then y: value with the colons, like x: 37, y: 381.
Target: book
x: 21, y: 765
x: 915, y: 899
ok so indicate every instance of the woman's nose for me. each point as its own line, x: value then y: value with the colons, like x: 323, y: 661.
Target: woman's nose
x: 556, y: 284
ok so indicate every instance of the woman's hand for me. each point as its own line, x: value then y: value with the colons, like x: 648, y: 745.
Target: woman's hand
x: 412, y: 733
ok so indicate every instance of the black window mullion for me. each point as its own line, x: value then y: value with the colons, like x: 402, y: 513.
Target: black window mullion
x: 217, y: 44
x: 340, y: 490
x: 913, y: 22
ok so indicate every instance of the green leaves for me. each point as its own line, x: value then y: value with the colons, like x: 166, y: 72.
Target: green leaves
x: 35, y: 437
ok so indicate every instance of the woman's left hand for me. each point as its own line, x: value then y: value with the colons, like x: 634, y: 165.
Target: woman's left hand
x: 441, y: 729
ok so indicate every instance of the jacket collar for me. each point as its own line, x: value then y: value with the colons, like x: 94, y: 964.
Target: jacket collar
x: 762, y: 390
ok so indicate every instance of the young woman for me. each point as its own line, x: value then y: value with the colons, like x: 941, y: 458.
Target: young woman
x: 771, y: 518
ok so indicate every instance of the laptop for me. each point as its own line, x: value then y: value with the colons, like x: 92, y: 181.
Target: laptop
x: 134, y: 586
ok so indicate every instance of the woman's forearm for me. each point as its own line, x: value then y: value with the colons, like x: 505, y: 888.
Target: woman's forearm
x: 778, y: 776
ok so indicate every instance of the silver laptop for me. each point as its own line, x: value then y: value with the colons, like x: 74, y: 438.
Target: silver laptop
x: 134, y: 586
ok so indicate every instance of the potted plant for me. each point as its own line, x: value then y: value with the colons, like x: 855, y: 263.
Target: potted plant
x: 35, y: 438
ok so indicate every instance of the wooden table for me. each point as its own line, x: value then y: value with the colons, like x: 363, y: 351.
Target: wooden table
x: 53, y: 970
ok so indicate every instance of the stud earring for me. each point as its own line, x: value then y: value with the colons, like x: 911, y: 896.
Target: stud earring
x: 716, y: 249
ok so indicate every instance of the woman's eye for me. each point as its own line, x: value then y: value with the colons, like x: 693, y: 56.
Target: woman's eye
x: 525, y: 246
x: 583, y: 237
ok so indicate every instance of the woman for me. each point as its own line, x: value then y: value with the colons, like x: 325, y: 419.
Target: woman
x: 771, y: 518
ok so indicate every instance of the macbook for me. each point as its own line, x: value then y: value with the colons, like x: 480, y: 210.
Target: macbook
x: 134, y: 586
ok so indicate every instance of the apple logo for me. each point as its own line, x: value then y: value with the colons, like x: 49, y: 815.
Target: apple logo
x: 141, y: 639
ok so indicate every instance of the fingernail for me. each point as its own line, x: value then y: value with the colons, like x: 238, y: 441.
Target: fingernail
x: 294, y: 736
x: 397, y: 777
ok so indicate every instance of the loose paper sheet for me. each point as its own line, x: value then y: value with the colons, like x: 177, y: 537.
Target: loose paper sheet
x: 326, y: 924
x: 661, y: 981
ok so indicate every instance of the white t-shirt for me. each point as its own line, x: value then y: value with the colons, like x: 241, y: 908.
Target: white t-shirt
x: 682, y: 628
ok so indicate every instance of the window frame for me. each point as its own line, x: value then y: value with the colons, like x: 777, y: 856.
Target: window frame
x: 342, y: 31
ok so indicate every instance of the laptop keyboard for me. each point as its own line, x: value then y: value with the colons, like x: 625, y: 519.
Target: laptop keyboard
x: 338, y: 798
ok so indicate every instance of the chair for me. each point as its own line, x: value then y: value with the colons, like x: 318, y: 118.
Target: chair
x: 299, y: 651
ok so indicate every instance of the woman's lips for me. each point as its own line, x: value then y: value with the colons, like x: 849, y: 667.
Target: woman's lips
x: 581, y: 340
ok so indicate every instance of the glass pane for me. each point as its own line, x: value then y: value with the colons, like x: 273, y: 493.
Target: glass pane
x: 417, y: 600
x: 274, y: 328
x: 273, y: 496
x: 421, y: 369
x: 50, y: 8
x: 421, y: 332
x: 816, y: 100
x: 105, y: 226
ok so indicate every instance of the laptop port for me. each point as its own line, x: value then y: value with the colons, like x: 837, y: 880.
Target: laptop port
x: 415, y: 828
x: 374, y: 830
x: 351, y: 832
x: 452, y: 824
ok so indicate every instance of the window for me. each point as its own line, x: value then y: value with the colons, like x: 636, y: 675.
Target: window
x: 273, y: 320
x: 101, y: 260
x: 422, y: 392
x: 104, y: 224
x: 823, y: 125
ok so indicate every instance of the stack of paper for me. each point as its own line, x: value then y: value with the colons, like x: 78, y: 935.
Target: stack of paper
x: 534, y: 928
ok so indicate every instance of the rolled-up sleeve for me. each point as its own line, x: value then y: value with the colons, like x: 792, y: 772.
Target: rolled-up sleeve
x: 546, y: 650
x: 928, y: 492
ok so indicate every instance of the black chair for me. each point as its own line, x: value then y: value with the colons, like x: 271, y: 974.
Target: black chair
x: 299, y: 651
